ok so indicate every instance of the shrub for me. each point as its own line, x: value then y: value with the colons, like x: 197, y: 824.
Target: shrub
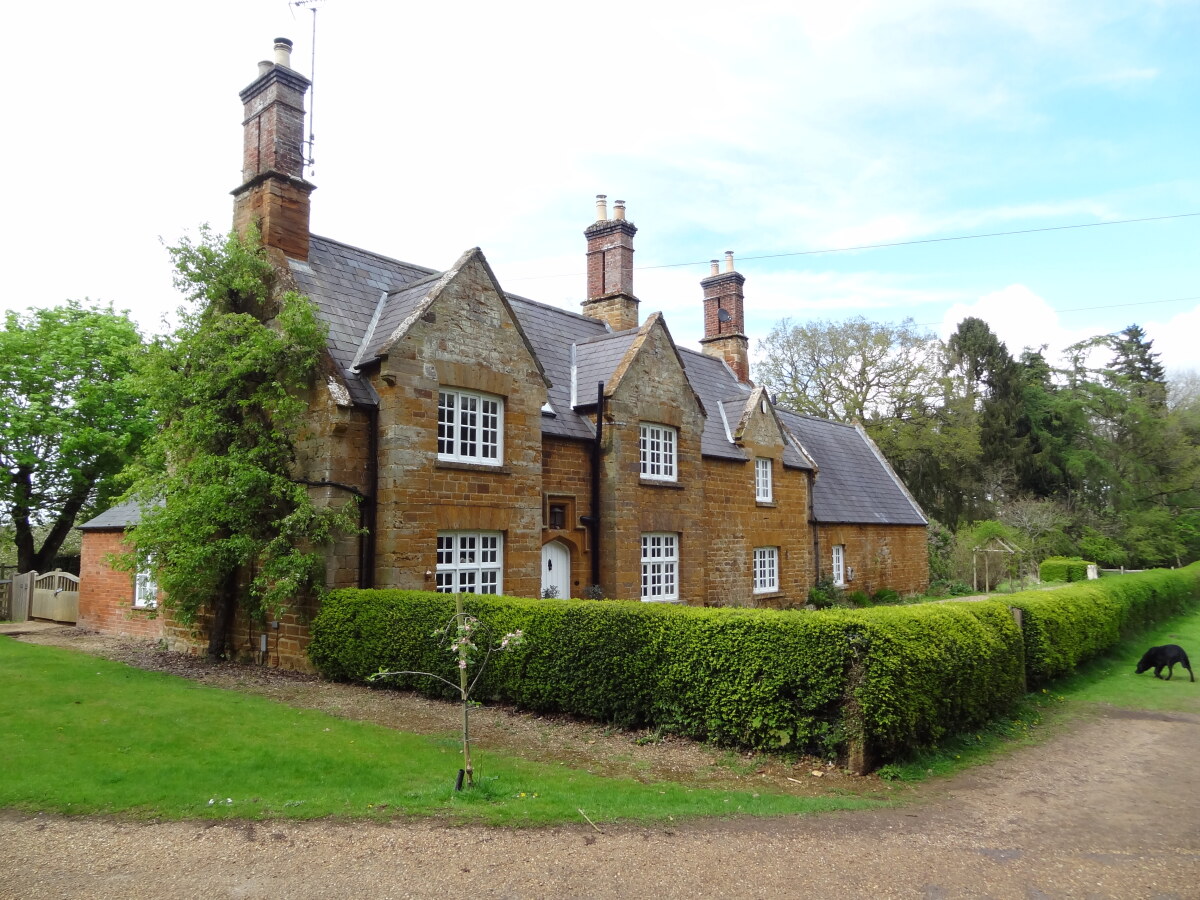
x: 1064, y: 568
x: 886, y: 596
x: 761, y: 679
x: 888, y: 678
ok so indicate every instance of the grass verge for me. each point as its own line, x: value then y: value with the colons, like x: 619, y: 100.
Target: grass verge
x: 85, y: 735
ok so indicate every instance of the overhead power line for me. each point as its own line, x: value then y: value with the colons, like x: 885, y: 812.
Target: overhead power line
x: 1106, y: 306
x: 940, y: 240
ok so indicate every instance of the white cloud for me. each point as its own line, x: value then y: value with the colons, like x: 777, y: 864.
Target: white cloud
x: 1019, y: 317
x: 1177, y: 340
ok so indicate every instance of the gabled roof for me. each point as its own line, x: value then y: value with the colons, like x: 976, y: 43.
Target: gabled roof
x: 366, y: 298
x: 346, y: 284
x: 551, y: 331
x: 855, y: 484
x: 597, y: 360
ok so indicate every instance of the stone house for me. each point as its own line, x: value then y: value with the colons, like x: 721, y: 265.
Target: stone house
x: 500, y: 445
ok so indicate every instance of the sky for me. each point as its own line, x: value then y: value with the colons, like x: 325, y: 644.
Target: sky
x: 773, y: 129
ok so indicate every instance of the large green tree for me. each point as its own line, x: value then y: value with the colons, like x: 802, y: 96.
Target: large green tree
x: 70, y: 419
x: 855, y: 370
x: 225, y: 521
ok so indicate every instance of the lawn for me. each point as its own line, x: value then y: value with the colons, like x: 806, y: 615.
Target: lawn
x: 85, y: 735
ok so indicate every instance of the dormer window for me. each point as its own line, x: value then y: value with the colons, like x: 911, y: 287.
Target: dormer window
x: 470, y: 427
x: 658, y: 443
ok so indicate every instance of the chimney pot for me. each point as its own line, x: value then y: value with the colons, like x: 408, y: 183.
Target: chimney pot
x: 714, y: 267
x: 729, y: 261
x: 283, y: 52
x: 265, y: 66
x: 619, y: 210
x: 602, y: 207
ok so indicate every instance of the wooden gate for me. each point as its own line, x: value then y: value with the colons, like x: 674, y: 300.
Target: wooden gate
x: 55, y: 597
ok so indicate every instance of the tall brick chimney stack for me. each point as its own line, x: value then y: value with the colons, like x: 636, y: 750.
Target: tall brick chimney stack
x: 274, y: 194
x: 610, y: 267
x: 724, y: 321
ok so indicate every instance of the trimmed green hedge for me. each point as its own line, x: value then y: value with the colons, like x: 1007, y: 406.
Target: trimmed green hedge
x: 1064, y: 568
x: 883, y: 680
x: 1069, y: 625
x: 747, y: 678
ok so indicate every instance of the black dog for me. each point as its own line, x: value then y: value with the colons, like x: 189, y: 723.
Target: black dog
x: 1165, y: 656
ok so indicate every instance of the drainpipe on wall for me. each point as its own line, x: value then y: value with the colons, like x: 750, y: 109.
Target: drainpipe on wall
x: 593, y: 520
x: 812, y: 518
x: 370, y: 510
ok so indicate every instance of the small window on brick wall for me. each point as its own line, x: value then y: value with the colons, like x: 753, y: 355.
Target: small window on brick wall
x: 470, y: 562
x: 763, y: 487
x: 766, y: 569
x: 145, y: 588
x: 660, y: 567
x: 470, y: 427
x: 658, y: 444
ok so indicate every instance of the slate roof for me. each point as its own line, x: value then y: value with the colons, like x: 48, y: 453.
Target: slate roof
x: 346, y: 284
x: 551, y: 331
x: 364, y: 297
x: 118, y: 518
x: 854, y: 483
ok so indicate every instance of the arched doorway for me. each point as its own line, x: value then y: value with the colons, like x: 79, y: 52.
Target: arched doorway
x: 556, y: 570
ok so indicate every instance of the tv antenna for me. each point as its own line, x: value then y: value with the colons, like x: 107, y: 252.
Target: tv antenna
x: 307, y: 146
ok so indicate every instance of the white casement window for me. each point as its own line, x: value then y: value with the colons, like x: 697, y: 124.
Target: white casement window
x: 839, y: 564
x: 470, y: 427
x: 766, y: 569
x: 145, y: 589
x: 470, y: 562
x: 763, y: 488
x: 658, y: 452
x: 660, y: 567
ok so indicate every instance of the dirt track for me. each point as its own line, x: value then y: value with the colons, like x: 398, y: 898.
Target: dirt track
x: 1109, y: 807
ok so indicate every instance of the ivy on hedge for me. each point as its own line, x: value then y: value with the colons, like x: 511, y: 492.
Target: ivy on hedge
x: 888, y: 679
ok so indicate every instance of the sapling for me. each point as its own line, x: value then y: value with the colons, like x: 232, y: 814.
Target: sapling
x: 460, y: 637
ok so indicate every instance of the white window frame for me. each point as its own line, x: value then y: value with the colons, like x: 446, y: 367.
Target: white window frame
x: 659, y: 446
x: 764, y: 490
x: 470, y: 427
x: 145, y: 588
x: 660, y: 567
x: 766, y: 570
x: 839, y: 565
x: 470, y: 562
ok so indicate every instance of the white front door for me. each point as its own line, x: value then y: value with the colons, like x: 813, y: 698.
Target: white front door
x: 556, y: 570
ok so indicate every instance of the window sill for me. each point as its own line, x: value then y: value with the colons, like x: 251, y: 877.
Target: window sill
x: 674, y: 600
x: 766, y: 504
x: 472, y: 467
x: 655, y: 483
x: 767, y: 595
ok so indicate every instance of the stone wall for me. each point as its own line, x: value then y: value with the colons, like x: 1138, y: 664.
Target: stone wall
x: 106, y: 595
x: 468, y: 340
x: 651, y: 387
x: 882, y: 556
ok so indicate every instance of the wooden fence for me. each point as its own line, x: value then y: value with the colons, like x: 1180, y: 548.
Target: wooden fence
x: 55, y: 597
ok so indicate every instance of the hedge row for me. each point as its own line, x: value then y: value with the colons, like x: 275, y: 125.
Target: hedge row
x: 885, y: 678
x: 1069, y: 625
x: 1064, y: 568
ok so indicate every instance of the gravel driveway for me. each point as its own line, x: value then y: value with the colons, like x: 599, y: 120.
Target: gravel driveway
x: 1107, y: 807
